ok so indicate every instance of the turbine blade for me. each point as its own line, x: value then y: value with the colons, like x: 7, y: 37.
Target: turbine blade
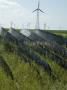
x: 41, y: 10
x: 35, y: 10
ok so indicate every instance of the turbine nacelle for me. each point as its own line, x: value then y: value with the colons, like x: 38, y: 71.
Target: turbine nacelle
x: 38, y: 9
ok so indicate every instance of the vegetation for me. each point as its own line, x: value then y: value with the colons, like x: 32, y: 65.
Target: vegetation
x: 59, y: 32
x: 27, y: 74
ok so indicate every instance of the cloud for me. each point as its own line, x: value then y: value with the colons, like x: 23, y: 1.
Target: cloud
x: 12, y: 11
x: 8, y: 3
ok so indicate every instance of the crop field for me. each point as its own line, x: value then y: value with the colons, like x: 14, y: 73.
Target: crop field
x: 32, y: 63
x: 59, y: 32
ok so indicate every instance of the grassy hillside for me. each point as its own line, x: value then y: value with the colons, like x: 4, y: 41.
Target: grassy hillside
x: 22, y: 73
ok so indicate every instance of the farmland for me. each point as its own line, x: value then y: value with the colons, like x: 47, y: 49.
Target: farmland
x: 26, y: 64
x: 59, y: 32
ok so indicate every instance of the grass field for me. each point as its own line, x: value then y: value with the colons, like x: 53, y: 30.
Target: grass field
x: 59, y: 32
x: 29, y: 76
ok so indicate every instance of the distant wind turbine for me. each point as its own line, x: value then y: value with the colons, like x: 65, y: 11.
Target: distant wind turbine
x: 38, y: 10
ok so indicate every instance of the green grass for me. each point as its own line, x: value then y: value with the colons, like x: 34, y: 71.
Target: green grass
x: 30, y: 77
x: 59, y: 32
x: 58, y: 70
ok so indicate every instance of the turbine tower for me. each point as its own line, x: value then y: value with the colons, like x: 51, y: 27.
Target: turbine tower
x: 37, y: 21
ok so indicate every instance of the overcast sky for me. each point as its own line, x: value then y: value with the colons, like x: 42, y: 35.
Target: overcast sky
x: 19, y: 12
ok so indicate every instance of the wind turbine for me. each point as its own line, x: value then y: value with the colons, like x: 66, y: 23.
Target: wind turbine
x: 38, y: 10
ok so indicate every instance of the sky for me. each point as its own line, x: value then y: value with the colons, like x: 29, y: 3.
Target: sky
x: 18, y: 13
